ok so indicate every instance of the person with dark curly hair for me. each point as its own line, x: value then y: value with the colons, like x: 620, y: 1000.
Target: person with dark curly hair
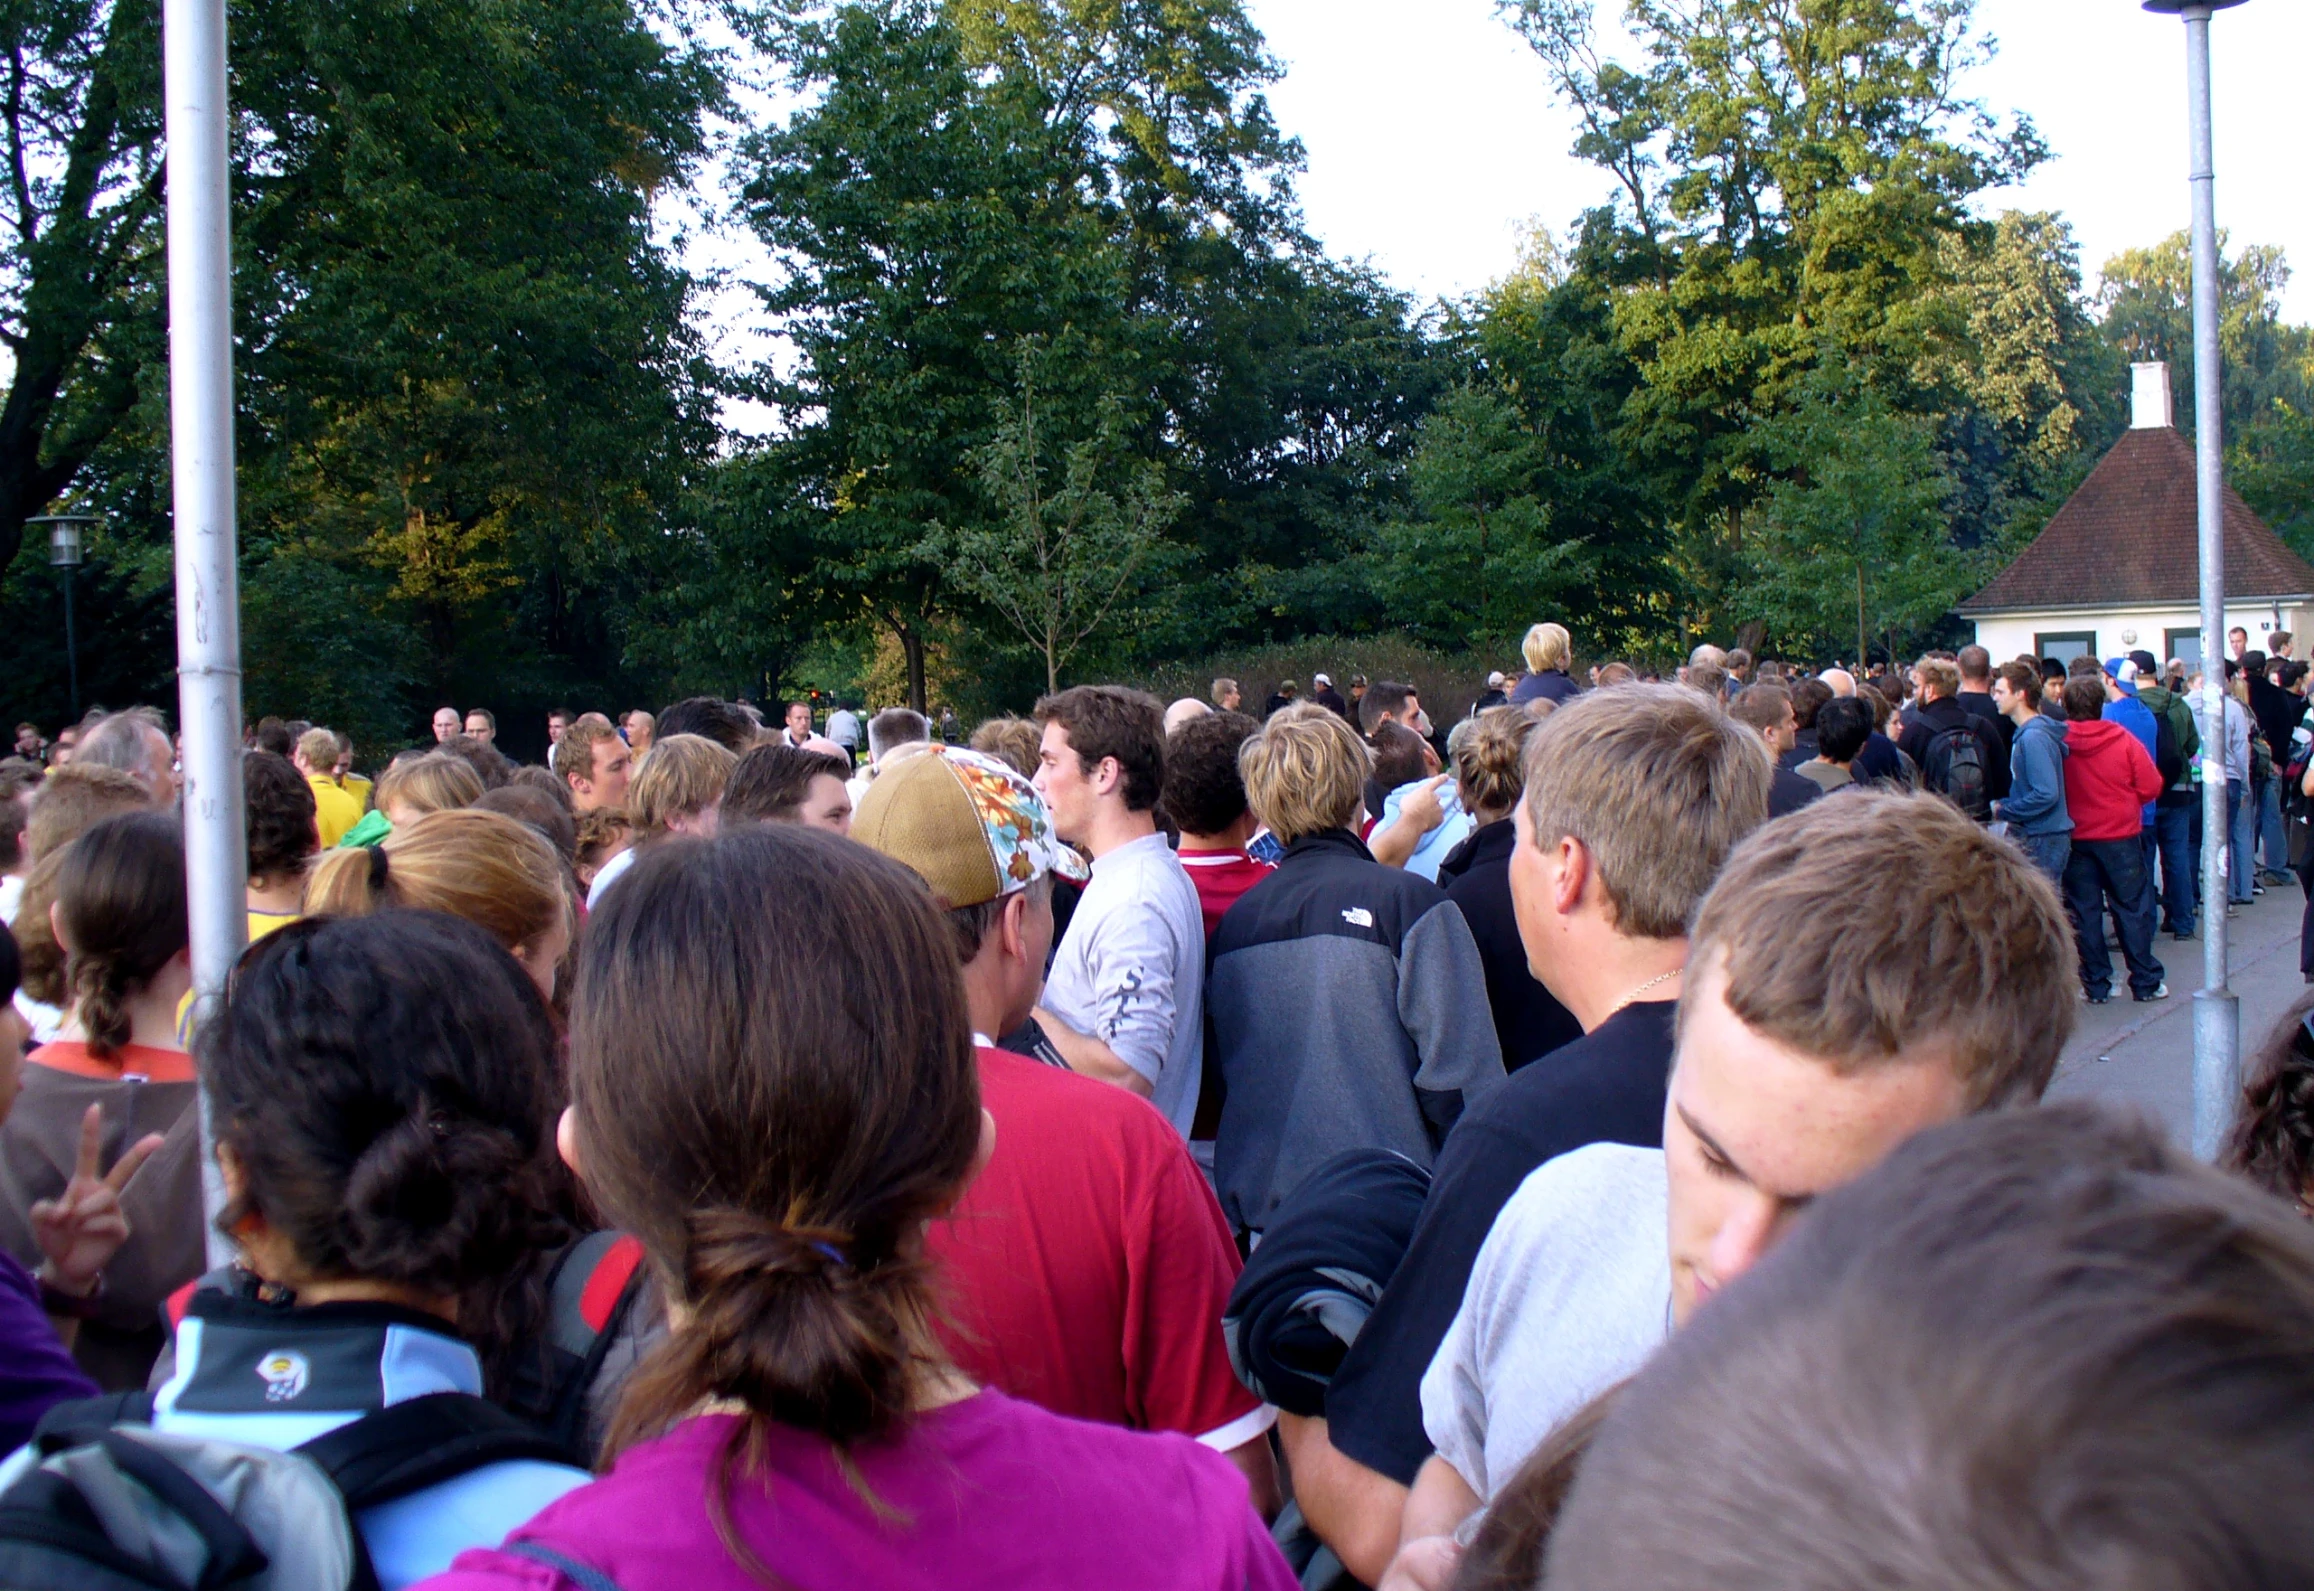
x: 2272, y: 1143
x: 283, y: 839
x: 384, y: 1091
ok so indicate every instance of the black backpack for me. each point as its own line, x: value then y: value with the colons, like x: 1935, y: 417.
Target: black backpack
x: 1954, y: 767
x: 189, y: 1513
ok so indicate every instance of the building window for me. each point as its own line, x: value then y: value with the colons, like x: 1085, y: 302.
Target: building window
x: 2065, y: 645
x: 2183, y: 644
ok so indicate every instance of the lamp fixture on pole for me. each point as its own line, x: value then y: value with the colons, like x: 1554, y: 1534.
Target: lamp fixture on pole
x: 65, y: 549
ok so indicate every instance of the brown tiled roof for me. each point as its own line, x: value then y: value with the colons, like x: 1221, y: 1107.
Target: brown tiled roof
x: 2128, y: 537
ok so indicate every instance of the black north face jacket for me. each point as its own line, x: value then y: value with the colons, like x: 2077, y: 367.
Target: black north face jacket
x: 1348, y: 1007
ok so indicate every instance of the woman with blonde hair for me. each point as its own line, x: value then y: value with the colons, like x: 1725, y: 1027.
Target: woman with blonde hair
x: 1548, y: 649
x: 435, y: 782
x: 497, y: 873
x: 677, y: 789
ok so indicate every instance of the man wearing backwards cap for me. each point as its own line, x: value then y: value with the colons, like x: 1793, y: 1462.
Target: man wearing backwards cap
x: 1088, y: 1264
x: 1326, y: 696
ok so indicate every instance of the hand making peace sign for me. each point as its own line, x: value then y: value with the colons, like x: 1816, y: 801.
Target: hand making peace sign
x: 82, y: 1229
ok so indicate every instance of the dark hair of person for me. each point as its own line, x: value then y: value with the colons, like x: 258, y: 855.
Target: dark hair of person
x: 11, y: 966
x: 1398, y: 757
x: 1808, y: 699
x: 1384, y: 696
x: 774, y: 1098
x: 489, y: 764
x: 281, y: 831
x: 389, y: 1087
x: 273, y: 736
x: 2052, y: 673
x: 2024, y: 679
x: 771, y: 781
x: 2033, y: 1348
x: 527, y: 804
x: 1762, y: 707
x: 121, y: 906
x: 2084, y: 697
x: 2272, y: 1143
x: 1508, y: 1551
x: 726, y: 723
x: 1203, y: 791
x: 1111, y: 721
x: 1843, y: 725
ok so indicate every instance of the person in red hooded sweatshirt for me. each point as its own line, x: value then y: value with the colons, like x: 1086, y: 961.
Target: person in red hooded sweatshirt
x: 2108, y: 780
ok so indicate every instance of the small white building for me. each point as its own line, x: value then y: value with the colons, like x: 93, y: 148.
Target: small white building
x: 2119, y: 568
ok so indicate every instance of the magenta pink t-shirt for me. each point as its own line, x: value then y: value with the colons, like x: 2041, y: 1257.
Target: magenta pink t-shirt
x: 989, y: 1492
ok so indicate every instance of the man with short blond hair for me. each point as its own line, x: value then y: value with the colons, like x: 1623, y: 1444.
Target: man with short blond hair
x: 1634, y: 798
x: 1225, y: 695
x: 1818, y: 1030
x: 594, y: 763
x: 334, y: 811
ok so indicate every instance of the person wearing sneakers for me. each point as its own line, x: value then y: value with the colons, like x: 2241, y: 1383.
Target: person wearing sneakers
x: 2108, y: 781
x: 1087, y: 1265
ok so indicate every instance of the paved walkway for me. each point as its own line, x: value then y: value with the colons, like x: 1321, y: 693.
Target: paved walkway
x: 2143, y: 1054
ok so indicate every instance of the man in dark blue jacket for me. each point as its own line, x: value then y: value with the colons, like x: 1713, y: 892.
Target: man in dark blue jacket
x: 2034, y: 808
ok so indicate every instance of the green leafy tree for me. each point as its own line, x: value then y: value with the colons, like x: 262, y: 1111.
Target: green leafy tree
x: 2147, y: 305
x: 927, y: 219
x: 1480, y: 559
x: 1788, y: 173
x: 1854, y: 539
x: 1055, y: 555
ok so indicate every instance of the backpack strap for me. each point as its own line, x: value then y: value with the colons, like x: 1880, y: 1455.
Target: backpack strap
x: 583, y: 1575
x: 588, y: 1287
x: 76, y: 1421
x: 232, y: 1553
x: 421, y: 1442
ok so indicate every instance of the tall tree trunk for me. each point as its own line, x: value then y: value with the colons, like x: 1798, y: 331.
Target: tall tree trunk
x: 912, y: 644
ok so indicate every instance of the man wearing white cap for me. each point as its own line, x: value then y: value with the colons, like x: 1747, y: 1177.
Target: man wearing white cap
x: 1088, y: 1264
x: 1326, y: 696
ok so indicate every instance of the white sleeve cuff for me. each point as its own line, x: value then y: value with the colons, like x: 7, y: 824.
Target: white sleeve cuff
x: 1241, y: 1430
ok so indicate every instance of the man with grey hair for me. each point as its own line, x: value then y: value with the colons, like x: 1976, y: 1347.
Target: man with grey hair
x: 137, y: 743
x: 888, y: 731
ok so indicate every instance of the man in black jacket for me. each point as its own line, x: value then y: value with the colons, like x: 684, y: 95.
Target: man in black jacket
x: 1938, y: 739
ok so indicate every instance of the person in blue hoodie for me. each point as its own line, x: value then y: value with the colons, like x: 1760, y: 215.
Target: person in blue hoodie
x: 2123, y: 708
x: 2034, y: 808
x: 385, y: 1097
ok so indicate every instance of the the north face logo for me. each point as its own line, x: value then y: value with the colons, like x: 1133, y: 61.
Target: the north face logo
x: 1358, y: 917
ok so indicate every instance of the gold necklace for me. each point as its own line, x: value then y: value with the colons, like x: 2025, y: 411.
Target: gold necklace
x: 1661, y: 977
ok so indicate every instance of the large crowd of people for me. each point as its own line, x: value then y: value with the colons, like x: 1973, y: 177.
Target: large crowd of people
x: 1594, y: 1142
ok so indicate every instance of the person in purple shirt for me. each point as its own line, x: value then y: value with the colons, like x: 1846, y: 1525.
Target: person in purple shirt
x: 79, y: 1232
x: 775, y: 1099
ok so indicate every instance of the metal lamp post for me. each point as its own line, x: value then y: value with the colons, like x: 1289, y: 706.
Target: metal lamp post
x: 2217, y: 1027
x: 64, y: 552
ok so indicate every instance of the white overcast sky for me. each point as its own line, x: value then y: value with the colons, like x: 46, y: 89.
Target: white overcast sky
x: 1433, y: 138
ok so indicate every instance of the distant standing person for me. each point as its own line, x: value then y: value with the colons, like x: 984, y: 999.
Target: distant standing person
x: 1548, y: 650
x: 448, y: 723
x: 796, y: 728
x: 2108, y: 780
x: 1285, y: 695
x: 482, y: 725
x: 2034, y: 809
x: 1125, y: 999
x: 844, y: 729
x: 638, y: 726
x: 557, y: 722
x: 1226, y: 695
x: 1327, y: 697
x: 334, y: 810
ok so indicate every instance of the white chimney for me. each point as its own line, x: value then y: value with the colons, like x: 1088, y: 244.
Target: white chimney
x: 2149, y: 402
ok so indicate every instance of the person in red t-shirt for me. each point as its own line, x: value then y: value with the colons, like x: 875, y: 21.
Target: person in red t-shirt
x: 1087, y: 1266
x: 1206, y: 801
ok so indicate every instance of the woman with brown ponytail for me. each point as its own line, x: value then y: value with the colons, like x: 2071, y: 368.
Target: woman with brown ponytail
x: 119, y: 917
x: 776, y: 1097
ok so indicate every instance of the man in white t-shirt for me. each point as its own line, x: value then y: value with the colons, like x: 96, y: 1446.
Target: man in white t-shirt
x: 1124, y: 1002
x: 1822, y: 1024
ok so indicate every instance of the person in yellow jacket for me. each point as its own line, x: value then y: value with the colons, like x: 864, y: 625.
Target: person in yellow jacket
x: 350, y: 782
x: 334, y: 811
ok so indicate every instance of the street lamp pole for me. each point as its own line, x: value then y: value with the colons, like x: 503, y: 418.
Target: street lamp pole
x: 65, y: 550
x: 2217, y: 1027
